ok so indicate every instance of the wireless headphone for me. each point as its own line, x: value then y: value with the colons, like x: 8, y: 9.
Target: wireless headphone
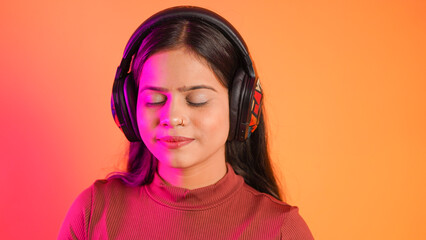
x: 245, y: 96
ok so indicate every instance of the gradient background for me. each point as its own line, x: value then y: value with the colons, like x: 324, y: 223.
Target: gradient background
x: 345, y: 86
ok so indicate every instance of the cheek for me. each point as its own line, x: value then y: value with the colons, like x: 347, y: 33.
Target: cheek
x: 145, y: 119
x: 215, y: 122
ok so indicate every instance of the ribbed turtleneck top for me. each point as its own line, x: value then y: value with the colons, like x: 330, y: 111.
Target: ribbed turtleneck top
x: 228, y: 209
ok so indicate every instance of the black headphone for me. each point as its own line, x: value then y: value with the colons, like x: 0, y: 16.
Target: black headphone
x: 245, y: 96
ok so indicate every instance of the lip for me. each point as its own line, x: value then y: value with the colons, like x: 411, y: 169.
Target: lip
x: 174, y: 142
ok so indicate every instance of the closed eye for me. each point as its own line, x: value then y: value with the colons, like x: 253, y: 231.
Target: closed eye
x: 153, y: 104
x: 196, y: 104
x: 148, y: 104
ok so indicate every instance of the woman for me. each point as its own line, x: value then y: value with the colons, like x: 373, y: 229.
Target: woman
x: 187, y: 97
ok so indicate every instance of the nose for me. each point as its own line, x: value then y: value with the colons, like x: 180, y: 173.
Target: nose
x: 173, y: 113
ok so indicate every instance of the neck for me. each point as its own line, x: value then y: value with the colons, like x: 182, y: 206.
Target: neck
x: 193, y: 177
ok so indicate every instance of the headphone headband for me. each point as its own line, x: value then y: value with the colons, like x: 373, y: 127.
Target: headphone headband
x: 190, y: 13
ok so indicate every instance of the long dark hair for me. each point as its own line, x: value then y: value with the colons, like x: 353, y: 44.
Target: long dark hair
x: 249, y: 159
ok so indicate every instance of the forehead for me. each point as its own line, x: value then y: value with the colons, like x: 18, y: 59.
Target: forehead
x: 177, y: 68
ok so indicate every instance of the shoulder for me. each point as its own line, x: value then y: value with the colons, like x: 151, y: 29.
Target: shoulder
x: 111, y: 190
x: 265, y: 200
x: 100, y: 191
x: 293, y: 225
x: 103, y: 195
x: 76, y: 222
x: 100, y: 188
x: 106, y: 185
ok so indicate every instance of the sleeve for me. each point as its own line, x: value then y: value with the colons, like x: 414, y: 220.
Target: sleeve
x: 294, y: 227
x: 76, y: 222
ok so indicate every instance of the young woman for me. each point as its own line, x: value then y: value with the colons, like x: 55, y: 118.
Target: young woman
x: 187, y: 96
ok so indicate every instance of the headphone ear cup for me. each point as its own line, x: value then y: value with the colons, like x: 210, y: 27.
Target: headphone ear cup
x: 235, y: 104
x: 114, y: 112
x: 123, y: 101
x: 255, y: 107
x: 130, y: 95
x: 245, y: 106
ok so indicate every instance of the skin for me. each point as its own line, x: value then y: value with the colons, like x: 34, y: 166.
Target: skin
x: 160, y: 112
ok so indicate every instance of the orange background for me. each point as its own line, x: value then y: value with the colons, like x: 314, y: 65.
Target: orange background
x: 345, y: 89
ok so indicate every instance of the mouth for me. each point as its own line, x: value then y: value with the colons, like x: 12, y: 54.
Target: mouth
x: 174, y: 142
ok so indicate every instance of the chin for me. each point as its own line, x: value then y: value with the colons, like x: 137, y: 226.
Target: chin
x: 175, y: 161
x: 180, y: 163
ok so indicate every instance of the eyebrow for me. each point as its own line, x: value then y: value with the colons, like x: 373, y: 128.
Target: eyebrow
x: 181, y: 89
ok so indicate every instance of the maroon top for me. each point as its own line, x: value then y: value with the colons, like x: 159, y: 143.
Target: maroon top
x: 228, y: 209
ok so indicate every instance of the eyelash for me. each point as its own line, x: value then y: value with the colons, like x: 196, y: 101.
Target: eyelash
x: 160, y: 103
x: 196, y: 104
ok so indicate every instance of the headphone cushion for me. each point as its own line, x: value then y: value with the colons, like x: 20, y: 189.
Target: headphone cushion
x: 123, y: 107
x: 235, y: 103
x: 130, y: 94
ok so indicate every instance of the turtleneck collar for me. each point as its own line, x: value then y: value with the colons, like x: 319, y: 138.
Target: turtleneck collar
x: 195, y: 199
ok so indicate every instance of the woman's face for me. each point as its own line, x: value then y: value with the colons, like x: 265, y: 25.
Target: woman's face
x: 179, y: 96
